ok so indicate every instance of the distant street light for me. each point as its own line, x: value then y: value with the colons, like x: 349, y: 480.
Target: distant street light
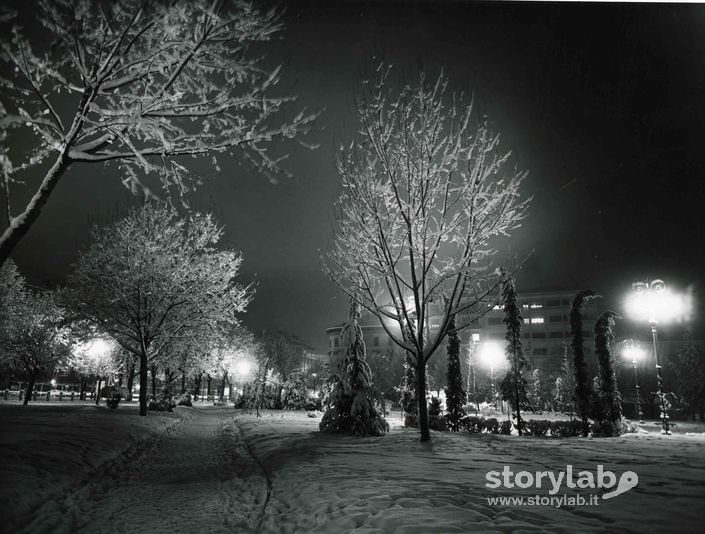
x: 632, y: 351
x: 314, y: 375
x: 491, y: 354
x: 471, y: 368
x: 653, y: 302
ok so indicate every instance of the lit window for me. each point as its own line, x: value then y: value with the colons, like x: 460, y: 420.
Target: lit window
x: 497, y: 307
x: 526, y: 320
x: 537, y: 320
x: 524, y: 305
x: 536, y: 305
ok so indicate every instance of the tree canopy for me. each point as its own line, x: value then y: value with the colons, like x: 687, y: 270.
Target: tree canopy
x: 426, y: 188
x: 155, y: 278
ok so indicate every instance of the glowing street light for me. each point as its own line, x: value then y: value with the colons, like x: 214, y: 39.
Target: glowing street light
x: 655, y: 303
x: 491, y: 355
x: 471, y: 368
x: 97, y: 348
x: 632, y: 351
x: 242, y: 368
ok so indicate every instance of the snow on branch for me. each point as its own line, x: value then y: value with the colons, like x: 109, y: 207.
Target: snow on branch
x: 145, y: 86
x: 427, y: 188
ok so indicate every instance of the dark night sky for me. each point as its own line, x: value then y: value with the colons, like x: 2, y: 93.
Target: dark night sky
x: 604, y: 104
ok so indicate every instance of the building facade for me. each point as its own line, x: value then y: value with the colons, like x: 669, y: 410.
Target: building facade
x: 545, y: 328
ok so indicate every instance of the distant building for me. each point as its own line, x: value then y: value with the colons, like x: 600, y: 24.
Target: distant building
x: 545, y: 332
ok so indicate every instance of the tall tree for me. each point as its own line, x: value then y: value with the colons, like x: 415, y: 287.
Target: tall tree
x: 609, y: 395
x: 514, y: 351
x: 583, y: 385
x: 456, y: 396
x: 689, y: 368
x: 425, y: 189
x: 145, y: 86
x: 153, y: 278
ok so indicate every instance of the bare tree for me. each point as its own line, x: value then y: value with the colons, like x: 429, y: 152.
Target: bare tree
x: 424, y: 192
x: 144, y: 85
x: 153, y: 279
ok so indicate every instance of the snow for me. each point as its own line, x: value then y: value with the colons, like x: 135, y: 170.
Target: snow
x: 81, y: 468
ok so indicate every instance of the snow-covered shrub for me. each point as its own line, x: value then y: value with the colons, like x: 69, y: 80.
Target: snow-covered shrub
x: 294, y: 395
x: 164, y: 402
x: 474, y: 423
x: 505, y: 427
x: 353, y: 407
x: 537, y: 427
x: 435, y: 420
x: 491, y: 425
x: 112, y: 396
x: 184, y: 400
x: 563, y: 429
x: 314, y: 404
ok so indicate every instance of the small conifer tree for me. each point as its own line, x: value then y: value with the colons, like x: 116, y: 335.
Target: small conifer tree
x: 609, y: 397
x: 455, y: 394
x: 583, y: 389
x: 352, y: 408
x: 514, y: 380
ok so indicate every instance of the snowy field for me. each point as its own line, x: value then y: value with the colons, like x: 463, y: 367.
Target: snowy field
x: 81, y: 468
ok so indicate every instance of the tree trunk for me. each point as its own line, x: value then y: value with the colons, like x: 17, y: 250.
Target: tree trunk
x: 21, y: 223
x: 421, y: 396
x: 97, y: 391
x: 197, y: 385
x: 154, y: 381
x: 130, y: 378
x: 82, y: 389
x: 183, y: 382
x: 143, y: 382
x: 221, y: 393
x: 208, y: 385
x: 30, y: 387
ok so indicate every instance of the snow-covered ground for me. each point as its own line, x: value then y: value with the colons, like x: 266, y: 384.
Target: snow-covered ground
x: 215, y: 469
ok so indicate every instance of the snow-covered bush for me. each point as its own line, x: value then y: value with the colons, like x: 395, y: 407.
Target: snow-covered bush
x: 562, y: 429
x: 164, y: 402
x: 112, y: 396
x: 294, y: 394
x: 184, y: 400
x: 538, y: 427
x: 492, y: 425
x: 353, y: 407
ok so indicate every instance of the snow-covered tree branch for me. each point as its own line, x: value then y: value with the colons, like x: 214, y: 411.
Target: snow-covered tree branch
x: 142, y: 85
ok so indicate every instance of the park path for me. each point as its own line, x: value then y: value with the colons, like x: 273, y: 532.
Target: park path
x: 200, y: 477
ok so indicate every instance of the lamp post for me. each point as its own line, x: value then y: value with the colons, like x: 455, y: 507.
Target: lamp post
x: 471, y: 368
x: 492, y: 355
x: 653, y: 302
x: 634, y: 352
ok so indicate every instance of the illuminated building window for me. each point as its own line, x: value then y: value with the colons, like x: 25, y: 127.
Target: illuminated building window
x: 537, y: 320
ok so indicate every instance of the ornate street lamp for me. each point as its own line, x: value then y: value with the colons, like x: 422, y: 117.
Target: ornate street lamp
x: 632, y: 351
x: 653, y: 302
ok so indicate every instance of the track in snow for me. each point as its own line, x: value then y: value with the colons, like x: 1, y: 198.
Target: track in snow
x: 200, y: 478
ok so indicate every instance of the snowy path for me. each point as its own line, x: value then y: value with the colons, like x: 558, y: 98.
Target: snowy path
x: 198, y: 478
